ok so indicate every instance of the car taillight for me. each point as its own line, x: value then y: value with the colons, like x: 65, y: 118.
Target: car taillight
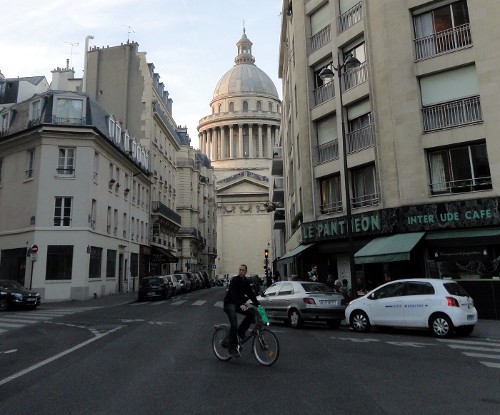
x: 309, y: 300
x: 452, y: 302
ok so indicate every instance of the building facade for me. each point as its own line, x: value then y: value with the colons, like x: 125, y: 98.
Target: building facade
x: 412, y: 108
x: 74, y: 198
x: 124, y: 83
x: 238, y: 136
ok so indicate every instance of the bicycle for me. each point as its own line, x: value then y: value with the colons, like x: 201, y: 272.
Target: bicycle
x: 265, y: 344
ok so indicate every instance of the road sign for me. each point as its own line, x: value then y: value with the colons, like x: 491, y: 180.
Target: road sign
x: 34, y: 249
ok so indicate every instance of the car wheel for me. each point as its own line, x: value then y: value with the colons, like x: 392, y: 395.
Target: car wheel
x: 4, y: 305
x: 359, y: 321
x: 441, y: 325
x: 333, y: 324
x: 295, y: 319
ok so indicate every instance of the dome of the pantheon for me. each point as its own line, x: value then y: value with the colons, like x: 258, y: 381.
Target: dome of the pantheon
x: 244, y: 78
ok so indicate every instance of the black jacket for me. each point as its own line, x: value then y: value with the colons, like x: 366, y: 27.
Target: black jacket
x: 240, y: 291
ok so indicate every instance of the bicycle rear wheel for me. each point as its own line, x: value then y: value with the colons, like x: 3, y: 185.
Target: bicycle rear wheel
x: 219, y: 343
x: 265, y: 347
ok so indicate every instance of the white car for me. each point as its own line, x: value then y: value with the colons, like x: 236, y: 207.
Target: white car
x: 442, y: 306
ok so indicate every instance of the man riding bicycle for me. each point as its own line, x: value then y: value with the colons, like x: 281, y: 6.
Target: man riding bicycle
x: 238, y: 293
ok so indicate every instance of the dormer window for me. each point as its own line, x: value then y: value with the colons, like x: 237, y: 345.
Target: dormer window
x: 118, y: 134
x: 69, y: 111
x: 111, y: 126
x: 35, y: 110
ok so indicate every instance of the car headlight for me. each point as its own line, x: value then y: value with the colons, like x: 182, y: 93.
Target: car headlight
x: 18, y: 296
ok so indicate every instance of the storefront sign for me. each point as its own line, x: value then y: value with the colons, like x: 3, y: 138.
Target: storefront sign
x: 463, y: 214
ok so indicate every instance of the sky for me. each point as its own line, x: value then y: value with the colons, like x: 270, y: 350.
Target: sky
x: 192, y: 43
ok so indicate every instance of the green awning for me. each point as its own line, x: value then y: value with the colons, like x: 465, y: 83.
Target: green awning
x: 288, y: 257
x: 464, y: 233
x: 388, y: 248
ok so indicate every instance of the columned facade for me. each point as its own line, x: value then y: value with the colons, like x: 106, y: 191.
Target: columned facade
x: 238, y: 137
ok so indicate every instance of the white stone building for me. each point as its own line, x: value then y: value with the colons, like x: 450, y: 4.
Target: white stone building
x: 239, y: 137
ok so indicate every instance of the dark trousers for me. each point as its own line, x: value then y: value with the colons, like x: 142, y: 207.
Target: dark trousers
x: 234, y: 330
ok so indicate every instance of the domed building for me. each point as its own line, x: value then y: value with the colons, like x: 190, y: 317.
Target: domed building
x: 239, y: 137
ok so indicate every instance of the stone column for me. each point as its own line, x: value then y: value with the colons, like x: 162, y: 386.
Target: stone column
x: 231, y: 141
x: 209, y: 144
x: 223, y: 154
x: 260, y: 141
x: 240, y: 142
x: 268, y: 144
x: 251, y: 144
x: 216, y: 144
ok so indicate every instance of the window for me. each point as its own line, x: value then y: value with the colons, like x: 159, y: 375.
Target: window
x: 69, y: 110
x: 108, y: 220
x: 93, y: 213
x: 459, y: 169
x: 419, y: 288
x: 1, y: 168
x: 4, y: 122
x: 450, y: 99
x: 364, y: 187
x: 360, y: 131
x: 125, y: 225
x: 59, y: 262
x: 328, y: 143
x: 331, y: 197
x: 66, y: 161
x: 320, y: 28
x: 111, y: 127
x: 286, y: 289
x: 270, y: 107
x: 441, y: 30
x: 219, y: 108
x: 115, y: 222
x: 245, y: 106
x: 396, y: 289
x: 231, y: 106
x: 111, y: 263
x: 323, y: 90
x: 95, y: 262
x: 35, y: 111
x: 259, y: 105
x: 30, y: 161
x: 95, y: 174
x: 62, y: 211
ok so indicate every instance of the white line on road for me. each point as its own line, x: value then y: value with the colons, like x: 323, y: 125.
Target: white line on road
x: 179, y: 302
x: 493, y: 365
x: 199, y: 302
x: 17, y: 320
x: 219, y: 304
x: 11, y: 325
x: 57, y: 356
x: 159, y: 302
x: 40, y: 318
x: 481, y: 349
x: 483, y: 355
x: 477, y: 343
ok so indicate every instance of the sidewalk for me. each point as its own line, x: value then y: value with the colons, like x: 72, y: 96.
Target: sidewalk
x: 485, y: 329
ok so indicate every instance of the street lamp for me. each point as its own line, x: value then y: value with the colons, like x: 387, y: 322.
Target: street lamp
x: 327, y: 75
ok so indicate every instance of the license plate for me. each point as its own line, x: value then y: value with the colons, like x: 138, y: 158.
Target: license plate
x: 30, y: 300
x: 470, y: 317
x: 328, y: 302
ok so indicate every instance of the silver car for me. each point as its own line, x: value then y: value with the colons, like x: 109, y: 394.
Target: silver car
x: 296, y: 302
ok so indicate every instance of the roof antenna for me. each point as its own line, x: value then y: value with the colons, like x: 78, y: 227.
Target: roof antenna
x: 71, y: 51
x: 130, y: 30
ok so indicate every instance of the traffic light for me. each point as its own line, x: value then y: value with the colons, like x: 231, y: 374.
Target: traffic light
x: 266, y: 253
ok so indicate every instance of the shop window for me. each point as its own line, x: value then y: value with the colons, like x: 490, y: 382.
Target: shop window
x: 59, y: 262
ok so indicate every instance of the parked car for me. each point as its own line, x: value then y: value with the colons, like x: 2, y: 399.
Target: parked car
x: 194, y: 280
x: 13, y: 294
x: 442, y: 306
x: 188, y: 285
x: 296, y: 302
x: 255, y: 283
x: 176, y: 285
x: 199, y: 281
x: 154, y: 287
x: 207, y: 279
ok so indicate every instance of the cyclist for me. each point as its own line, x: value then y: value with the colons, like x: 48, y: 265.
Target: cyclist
x: 238, y: 293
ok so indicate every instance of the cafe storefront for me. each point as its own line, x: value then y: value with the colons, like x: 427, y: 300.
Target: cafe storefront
x: 457, y: 240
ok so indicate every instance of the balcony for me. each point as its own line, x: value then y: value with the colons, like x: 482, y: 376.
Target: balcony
x: 359, y: 140
x: 443, y: 42
x: 461, y: 186
x: 279, y: 219
x: 277, y: 163
x: 365, y: 200
x: 324, y: 93
x: 452, y: 114
x: 320, y: 39
x: 158, y: 208
x: 328, y: 151
x: 278, y: 190
x: 333, y: 207
x: 349, y: 18
x: 354, y: 77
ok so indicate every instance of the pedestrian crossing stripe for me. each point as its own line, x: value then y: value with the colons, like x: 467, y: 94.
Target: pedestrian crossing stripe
x: 199, y: 302
x: 17, y: 320
x: 11, y: 325
x: 491, y: 364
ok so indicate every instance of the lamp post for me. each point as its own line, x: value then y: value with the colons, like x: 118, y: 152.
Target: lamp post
x: 327, y: 75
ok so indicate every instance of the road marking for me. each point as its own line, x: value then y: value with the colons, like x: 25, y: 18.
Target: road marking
x: 17, y: 320
x: 11, y: 325
x: 161, y: 323
x: 57, y: 356
x: 131, y: 320
x: 483, y: 355
x: 410, y: 344
x: 356, y: 340
x: 39, y: 318
x: 475, y: 342
x: 9, y: 351
x: 199, y: 302
x: 159, y: 302
x: 481, y: 349
x: 179, y: 302
x: 490, y: 364
x: 219, y: 304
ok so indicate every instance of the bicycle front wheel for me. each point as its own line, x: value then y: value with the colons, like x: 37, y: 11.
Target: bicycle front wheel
x: 266, y: 347
x: 220, y: 343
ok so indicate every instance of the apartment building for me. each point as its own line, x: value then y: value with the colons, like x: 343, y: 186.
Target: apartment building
x: 123, y: 82
x: 73, y: 196
x: 411, y: 112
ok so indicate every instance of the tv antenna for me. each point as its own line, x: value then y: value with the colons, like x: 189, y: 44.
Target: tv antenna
x: 130, y: 30
x: 71, y: 50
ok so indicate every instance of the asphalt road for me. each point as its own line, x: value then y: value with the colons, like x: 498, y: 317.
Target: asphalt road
x: 156, y: 358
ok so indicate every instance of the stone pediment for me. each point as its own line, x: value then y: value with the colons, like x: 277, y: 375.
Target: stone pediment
x: 243, y: 186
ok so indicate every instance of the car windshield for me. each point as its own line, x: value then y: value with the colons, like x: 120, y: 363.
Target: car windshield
x: 178, y: 277
x: 455, y: 289
x: 316, y: 288
x: 11, y: 285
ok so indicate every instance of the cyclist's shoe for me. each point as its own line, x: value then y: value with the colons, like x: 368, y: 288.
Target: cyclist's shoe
x: 234, y: 353
x: 243, y: 337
